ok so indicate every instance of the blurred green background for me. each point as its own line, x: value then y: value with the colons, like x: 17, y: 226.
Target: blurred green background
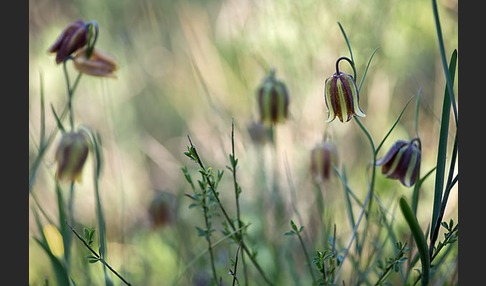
x: 188, y: 68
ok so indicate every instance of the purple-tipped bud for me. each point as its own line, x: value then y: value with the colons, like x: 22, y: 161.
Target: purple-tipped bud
x: 322, y: 158
x: 72, y: 38
x: 273, y: 100
x: 401, y: 162
x: 342, y: 96
x: 71, y: 154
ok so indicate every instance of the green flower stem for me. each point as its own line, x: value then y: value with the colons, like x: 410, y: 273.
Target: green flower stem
x: 46, y: 142
x: 71, y: 218
x: 373, y: 167
x: 70, y: 94
x: 70, y: 91
x: 275, y: 186
x: 368, y: 200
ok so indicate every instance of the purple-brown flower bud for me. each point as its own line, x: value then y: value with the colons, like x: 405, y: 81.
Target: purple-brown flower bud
x: 342, y: 96
x: 162, y: 209
x: 323, y: 156
x: 273, y: 100
x: 71, y: 154
x: 402, y: 162
x: 72, y: 38
x: 98, y: 64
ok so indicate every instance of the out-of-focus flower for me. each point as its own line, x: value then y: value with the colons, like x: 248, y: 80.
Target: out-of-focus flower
x: 323, y: 156
x: 71, y: 154
x: 98, y: 64
x: 402, y: 162
x: 54, y: 239
x: 73, y: 37
x: 162, y: 209
x: 273, y: 100
x: 342, y: 96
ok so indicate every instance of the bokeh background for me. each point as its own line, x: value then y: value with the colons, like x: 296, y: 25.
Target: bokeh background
x: 189, y: 68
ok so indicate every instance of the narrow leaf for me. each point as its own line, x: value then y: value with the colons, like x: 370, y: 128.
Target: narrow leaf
x: 58, y: 120
x: 442, y: 150
x: 419, y: 239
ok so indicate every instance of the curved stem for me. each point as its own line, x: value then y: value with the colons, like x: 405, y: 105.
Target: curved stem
x: 350, y: 62
x: 373, y: 168
x: 91, y: 45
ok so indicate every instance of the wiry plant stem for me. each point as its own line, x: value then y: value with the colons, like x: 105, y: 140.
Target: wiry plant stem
x: 225, y: 214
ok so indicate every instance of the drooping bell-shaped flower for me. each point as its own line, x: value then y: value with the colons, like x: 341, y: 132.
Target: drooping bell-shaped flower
x: 73, y: 37
x: 342, y: 96
x: 402, y: 162
x: 273, y: 100
x: 71, y: 154
x: 98, y: 64
x: 323, y: 156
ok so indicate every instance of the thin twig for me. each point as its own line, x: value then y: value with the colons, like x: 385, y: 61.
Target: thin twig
x: 233, y: 272
x: 96, y: 254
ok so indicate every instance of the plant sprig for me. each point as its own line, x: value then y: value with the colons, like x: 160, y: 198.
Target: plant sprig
x: 95, y: 257
x: 194, y: 156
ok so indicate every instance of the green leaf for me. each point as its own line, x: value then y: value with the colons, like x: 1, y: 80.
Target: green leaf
x: 193, y: 205
x: 200, y: 232
x: 187, y: 175
x: 393, y: 126
x: 419, y: 239
x: 366, y: 69
x: 442, y: 151
x: 447, y: 72
x: 58, y: 120
x: 347, y: 43
x: 86, y: 233
x: 92, y: 259
x: 294, y: 227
